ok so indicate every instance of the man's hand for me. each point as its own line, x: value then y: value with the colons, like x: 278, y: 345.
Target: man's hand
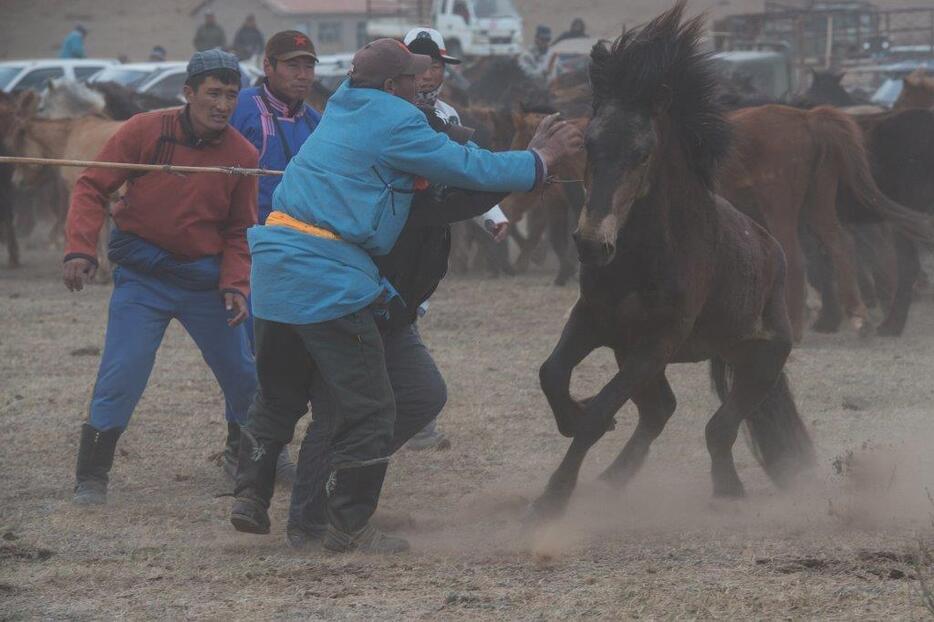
x: 555, y: 139
x: 77, y: 272
x: 236, y: 307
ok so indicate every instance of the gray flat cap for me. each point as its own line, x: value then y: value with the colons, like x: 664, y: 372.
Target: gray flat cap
x: 208, y: 60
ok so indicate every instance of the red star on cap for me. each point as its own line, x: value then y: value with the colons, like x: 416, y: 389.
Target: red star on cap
x: 301, y: 41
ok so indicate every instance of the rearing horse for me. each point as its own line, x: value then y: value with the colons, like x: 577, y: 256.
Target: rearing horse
x: 671, y: 272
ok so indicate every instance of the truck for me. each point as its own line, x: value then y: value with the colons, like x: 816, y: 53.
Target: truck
x: 471, y: 28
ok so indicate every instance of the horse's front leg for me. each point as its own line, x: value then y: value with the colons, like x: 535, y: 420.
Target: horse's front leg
x: 643, y: 363
x: 579, y: 338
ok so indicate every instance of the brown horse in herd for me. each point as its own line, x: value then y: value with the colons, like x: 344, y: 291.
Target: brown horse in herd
x: 787, y: 168
x: 670, y: 271
x: 77, y: 139
x: 553, y: 208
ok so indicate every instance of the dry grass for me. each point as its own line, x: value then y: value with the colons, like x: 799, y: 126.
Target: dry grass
x: 662, y: 549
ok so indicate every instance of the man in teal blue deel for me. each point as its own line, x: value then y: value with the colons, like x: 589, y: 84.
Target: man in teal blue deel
x: 343, y: 199
x: 73, y: 44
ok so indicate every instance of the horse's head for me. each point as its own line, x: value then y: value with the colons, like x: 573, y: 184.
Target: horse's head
x: 654, y: 105
x: 621, y: 144
x: 917, y: 91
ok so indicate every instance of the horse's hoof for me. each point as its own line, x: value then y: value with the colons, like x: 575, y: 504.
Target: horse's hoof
x: 542, y: 510
x: 733, y: 490
x: 886, y: 329
x: 826, y: 325
x: 864, y: 329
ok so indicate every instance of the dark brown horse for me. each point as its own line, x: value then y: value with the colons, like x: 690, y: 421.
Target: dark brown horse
x: 671, y: 272
x: 901, y: 150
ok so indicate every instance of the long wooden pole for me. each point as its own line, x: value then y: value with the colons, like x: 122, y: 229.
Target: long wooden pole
x: 166, y: 168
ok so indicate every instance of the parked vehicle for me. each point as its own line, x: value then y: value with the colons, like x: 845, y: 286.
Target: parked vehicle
x: 569, y: 56
x: 20, y: 75
x: 767, y: 72
x: 332, y: 69
x: 891, y: 88
x: 164, y: 80
x: 470, y: 27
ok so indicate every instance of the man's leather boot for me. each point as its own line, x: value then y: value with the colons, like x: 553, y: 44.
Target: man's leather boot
x: 255, y: 482
x: 285, y: 468
x: 352, y: 496
x: 95, y: 458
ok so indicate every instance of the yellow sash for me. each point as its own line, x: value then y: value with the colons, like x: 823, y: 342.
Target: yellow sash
x: 281, y: 219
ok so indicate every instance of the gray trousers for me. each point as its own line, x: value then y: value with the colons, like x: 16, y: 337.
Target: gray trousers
x: 420, y: 394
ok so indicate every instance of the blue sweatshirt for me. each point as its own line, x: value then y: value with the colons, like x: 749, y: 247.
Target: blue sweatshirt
x: 354, y: 177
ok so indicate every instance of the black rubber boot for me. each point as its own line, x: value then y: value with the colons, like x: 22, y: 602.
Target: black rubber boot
x: 285, y: 468
x: 256, y: 479
x: 95, y: 458
x: 352, y: 496
x: 231, y: 450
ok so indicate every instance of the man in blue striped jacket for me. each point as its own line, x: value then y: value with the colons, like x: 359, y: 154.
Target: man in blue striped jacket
x: 275, y: 118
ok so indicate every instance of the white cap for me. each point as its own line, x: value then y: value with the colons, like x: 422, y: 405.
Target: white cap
x: 430, y: 42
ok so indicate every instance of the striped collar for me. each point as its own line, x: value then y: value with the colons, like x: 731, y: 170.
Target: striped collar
x: 282, y: 108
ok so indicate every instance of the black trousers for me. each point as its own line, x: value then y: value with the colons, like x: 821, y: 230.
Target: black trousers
x: 420, y: 394
x: 342, y: 363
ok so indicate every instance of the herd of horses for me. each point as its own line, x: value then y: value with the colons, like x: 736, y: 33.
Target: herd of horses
x: 698, y: 218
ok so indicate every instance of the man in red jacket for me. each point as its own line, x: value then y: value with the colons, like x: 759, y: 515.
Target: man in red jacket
x: 179, y: 245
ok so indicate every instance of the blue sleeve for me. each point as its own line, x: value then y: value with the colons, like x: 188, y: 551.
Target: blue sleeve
x: 244, y: 120
x: 417, y: 149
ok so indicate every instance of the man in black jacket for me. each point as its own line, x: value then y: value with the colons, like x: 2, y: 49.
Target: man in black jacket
x: 415, y: 266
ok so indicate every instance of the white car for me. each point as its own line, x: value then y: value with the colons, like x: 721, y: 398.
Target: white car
x: 331, y: 69
x: 20, y: 75
x: 164, y: 80
x: 569, y: 56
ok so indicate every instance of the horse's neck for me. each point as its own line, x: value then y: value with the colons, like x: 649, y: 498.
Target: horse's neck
x: 51, y: 135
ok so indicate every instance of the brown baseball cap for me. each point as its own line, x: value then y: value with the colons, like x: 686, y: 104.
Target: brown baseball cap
x: 290, y: 44
x: 383, y: 59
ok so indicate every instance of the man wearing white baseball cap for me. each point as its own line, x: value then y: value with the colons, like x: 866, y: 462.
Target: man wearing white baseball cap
x: 429, y: 42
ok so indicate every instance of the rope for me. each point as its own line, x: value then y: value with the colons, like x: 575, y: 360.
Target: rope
x: 165, y: 168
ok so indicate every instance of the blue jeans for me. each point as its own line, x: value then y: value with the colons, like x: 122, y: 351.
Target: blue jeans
x: 141, y: 308
x: 420, y: 394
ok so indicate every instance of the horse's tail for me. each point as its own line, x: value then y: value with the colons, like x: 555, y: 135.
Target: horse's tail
x: 841, y: 142
x: 776, y: 434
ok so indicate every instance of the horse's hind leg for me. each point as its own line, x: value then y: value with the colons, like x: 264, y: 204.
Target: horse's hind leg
x: 822, y: 217
x: 909, y: 267
x: 756, y: 366
x: 656, y: 403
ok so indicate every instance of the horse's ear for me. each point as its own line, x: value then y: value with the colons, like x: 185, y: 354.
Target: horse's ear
x: 662, y: 100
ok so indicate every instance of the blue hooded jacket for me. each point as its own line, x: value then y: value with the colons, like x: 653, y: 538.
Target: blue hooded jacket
x: 354, y: 177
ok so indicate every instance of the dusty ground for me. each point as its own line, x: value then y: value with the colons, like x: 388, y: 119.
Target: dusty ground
x: 840, y: 549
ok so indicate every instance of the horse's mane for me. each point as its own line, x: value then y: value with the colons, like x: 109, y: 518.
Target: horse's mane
x: 71, y: 98
x: 661, y: 64
x: 123, y: 103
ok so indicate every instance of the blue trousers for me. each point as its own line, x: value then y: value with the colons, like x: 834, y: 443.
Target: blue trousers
x: 141, y: 308
x: 420, y: 395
